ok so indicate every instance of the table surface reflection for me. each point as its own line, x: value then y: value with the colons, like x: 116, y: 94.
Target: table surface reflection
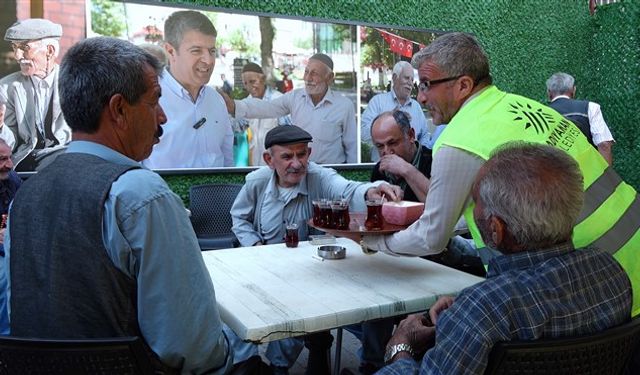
x: 269, y: 292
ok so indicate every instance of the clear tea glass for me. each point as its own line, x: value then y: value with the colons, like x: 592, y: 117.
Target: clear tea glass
x: 374, y: 220
x: 291, y: 235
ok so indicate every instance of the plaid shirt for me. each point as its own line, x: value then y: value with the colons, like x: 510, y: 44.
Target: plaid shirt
x: 552, y: 293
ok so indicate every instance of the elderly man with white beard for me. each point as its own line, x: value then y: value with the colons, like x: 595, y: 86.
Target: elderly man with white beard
x: 31, y: 121
x: 327, y: 115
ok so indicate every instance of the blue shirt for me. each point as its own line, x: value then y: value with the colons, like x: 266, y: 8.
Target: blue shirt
x: 548, y: 293
x: 148, y: 236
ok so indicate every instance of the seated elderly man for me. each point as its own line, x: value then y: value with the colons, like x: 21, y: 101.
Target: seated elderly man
x: 283, y: 191
x: 528, y: 197
x: 114, y: 253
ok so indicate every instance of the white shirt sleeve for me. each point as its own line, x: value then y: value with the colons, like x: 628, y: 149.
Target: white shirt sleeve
x: 452, y: 174
x: 599, y: 130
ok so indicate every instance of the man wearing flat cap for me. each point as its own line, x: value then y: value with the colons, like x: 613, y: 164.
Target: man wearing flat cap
x: 283, y: 191
x: 254, y: 81
x: 328, y: 116
x: 31, y: 120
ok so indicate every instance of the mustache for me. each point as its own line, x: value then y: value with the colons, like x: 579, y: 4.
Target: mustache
x: 295, y: 170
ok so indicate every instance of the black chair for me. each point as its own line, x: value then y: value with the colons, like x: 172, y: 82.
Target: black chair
x: 123, y: 355
x: 607, y: 352
x: 210, y: 214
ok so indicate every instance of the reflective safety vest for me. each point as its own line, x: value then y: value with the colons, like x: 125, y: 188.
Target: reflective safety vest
x: 610, y: 217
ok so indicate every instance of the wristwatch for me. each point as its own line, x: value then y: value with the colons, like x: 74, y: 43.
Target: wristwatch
x: 395, y: 349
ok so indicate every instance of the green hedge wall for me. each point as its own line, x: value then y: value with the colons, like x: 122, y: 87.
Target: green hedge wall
x: 526, y: 41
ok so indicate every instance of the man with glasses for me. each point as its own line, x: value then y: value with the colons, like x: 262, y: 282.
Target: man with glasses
x: 457, y: 88
x: 399, y: 97
x: 31, y: 120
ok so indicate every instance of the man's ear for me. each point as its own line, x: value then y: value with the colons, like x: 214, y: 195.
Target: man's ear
x: 266, y: 156
x: 51, y: 51
x: 171, y: 51
x: 118, y: 111
x: 465, y: 86
x: 498, y: 229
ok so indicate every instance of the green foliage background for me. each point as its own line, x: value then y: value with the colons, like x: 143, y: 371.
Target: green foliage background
x: 526, y: 40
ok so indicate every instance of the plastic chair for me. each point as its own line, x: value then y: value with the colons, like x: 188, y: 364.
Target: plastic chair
x: 210, y: 214
x: 122, y: 355
x: 602, y: 353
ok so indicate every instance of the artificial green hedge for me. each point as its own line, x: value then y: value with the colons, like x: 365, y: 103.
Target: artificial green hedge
x: 526, y: 41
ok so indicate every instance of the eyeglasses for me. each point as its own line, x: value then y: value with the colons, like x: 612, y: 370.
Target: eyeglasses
x: 424, y: 86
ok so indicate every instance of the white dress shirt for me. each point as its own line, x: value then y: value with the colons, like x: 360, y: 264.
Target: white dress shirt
x: 331, y: 123
x: 183, y: 146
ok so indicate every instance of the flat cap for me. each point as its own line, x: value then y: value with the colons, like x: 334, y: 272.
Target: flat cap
x: 33, y: 29
x: 286, y: 135
x: 326, y: 60
x: 252, y: 67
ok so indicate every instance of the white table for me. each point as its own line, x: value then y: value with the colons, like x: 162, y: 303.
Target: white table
x: 270, y: 292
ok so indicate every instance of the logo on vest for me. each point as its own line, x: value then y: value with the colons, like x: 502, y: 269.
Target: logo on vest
x: 532, y: 117
x: 562, y: 132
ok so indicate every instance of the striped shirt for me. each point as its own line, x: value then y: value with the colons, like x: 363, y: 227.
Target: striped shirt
x: 551, y: 293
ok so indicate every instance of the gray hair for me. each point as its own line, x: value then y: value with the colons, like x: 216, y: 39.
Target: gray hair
x: 536, y: 189
x: 560, y: 83
x: 456, y: 54
x: 400, y: 66
x: 178, y: 23
x: 157, y: 52
x: 4, y: 143
x: 94, y: 70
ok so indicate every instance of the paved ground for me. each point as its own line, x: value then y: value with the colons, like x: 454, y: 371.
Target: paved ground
x: 349, y: 358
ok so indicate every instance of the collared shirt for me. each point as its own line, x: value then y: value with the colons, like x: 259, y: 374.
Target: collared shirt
x: 555, y: 292
x: 599, y: 130
x: 183, y: 146
x: 331, y: 123
x: 388, y: 101
x: 148, y: 236
x: 421, y: 161
x: 42, y: 96
x: 261, y: 209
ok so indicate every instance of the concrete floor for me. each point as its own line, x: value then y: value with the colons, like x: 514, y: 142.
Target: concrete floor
x: 349, y: 358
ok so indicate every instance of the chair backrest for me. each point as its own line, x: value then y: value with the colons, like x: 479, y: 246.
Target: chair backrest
x: 210, y: 208
x: 122, y: 355
x: 602, y: 353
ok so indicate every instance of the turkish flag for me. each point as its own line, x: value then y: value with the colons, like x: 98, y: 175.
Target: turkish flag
x: 398, y: 44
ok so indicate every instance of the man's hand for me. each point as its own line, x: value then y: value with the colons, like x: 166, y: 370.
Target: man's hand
x: 395, y: 165
x: 414, y: 330
x: 390, y: 192
x: 230, y: 103
x: 441, y: 304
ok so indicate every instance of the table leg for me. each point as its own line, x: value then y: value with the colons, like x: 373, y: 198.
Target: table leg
x: 336, y: 366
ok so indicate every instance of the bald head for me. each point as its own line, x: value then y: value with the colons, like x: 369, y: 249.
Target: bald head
x: 391, y: 133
